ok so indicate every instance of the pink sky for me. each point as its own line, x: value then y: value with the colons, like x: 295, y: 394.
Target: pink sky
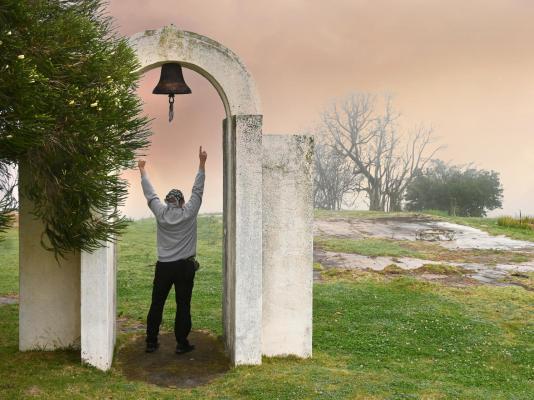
x: 466, y: 68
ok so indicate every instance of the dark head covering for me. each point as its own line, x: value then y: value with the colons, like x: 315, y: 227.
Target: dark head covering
x: 174, y: 194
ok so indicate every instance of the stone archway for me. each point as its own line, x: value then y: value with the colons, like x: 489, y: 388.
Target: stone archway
x: 268, y: 251
x: 242, y: 167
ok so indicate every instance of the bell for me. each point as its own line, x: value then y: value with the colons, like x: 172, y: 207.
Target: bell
x: 171, y: 82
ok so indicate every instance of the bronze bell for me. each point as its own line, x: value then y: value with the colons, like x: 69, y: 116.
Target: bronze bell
x: 171, y: 82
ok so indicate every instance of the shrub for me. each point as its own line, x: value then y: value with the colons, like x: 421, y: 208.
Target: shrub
x: 70, y: 117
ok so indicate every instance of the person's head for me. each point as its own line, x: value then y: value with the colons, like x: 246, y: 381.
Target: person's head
x: 175, y: 197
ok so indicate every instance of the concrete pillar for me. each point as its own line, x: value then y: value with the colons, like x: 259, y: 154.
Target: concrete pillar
x: 242, y: 237
x: 98, y: 306
x: 49, y: 293
x: 287, y: 245
x: 228, y: 306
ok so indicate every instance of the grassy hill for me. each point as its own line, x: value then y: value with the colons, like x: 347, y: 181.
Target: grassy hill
x: 374, y: 338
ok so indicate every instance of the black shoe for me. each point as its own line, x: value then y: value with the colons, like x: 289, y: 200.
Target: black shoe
x: 151, y: 347
x: 184, y: 348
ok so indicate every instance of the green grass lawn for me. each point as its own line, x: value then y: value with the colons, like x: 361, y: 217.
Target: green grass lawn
x: 373, y: 338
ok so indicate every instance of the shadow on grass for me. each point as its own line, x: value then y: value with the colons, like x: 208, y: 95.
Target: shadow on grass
x: 165, y: 368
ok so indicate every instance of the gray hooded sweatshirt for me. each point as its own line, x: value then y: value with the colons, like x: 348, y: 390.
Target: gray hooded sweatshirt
x: 176, y: 227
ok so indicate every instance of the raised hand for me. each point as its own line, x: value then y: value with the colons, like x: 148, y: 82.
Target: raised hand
x: 141, y: 164
x: 202, y: 155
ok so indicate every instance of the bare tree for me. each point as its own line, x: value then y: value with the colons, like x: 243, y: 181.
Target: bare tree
x: 402, y: 169
x: 386, y: 161
x: 334, y: 176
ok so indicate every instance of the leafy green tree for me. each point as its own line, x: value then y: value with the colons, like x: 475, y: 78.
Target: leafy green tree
x: 459, y: 191
x: 69, y: 117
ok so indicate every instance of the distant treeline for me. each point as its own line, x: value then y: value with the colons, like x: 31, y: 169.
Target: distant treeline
x: 361, y: 150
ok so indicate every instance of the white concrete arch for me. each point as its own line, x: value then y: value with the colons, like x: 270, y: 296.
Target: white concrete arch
x: 241, y: 140
x: 267, y: 265
x: 218, y: 64
x: 74, y: 304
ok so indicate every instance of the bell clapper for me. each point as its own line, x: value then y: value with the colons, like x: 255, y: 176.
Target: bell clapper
x: 171, y: 107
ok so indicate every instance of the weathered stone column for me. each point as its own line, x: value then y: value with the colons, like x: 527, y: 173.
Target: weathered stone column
x: 242, y: 305
x: 287, y: 245
x: 49, y: 293
x: 98, y: 306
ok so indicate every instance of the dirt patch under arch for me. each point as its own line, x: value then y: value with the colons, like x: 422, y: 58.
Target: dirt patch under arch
x: 165, y: 368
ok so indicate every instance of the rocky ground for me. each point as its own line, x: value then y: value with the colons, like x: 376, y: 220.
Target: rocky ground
x: 450, y: 252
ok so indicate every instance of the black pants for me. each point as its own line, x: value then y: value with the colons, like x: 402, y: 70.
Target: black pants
x: 181, y: 273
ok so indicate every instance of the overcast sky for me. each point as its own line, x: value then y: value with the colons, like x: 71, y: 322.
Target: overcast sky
x: 464, y: 67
